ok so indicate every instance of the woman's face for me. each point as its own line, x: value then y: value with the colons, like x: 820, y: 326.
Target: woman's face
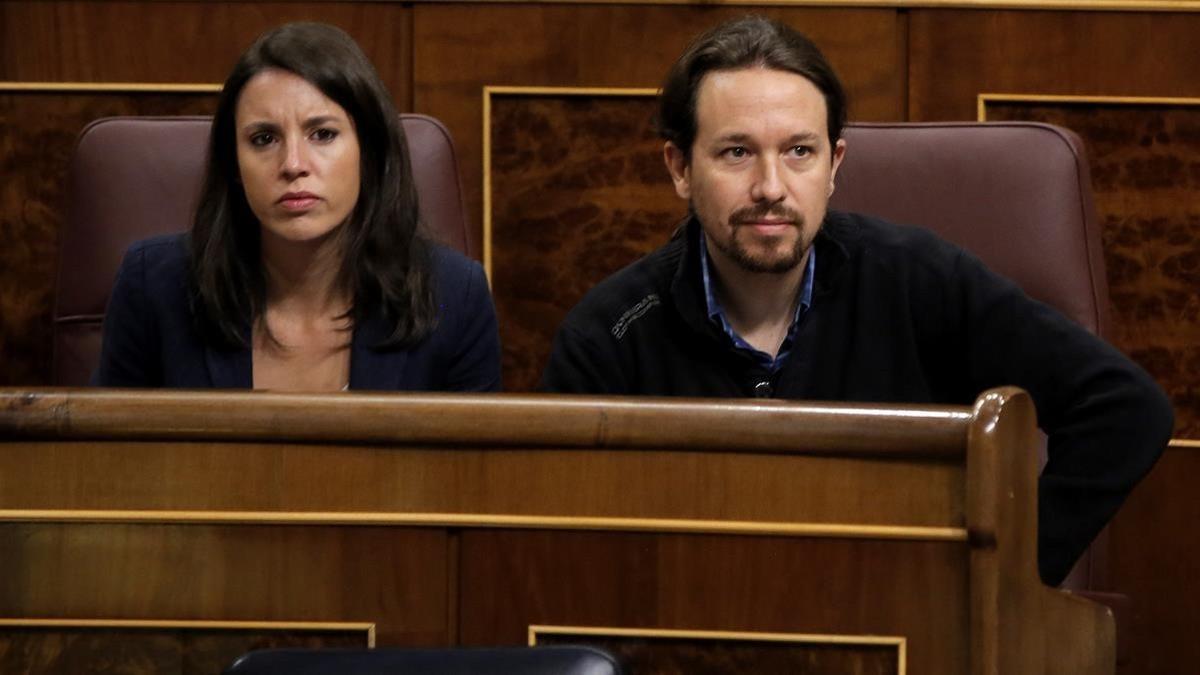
x: 298, y: 157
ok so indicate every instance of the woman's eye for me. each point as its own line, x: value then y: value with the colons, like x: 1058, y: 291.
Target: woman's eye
x: 261, y: 139
x: 324, y: 135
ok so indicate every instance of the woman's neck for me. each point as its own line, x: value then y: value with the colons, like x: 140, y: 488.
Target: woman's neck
x: 303, y: 277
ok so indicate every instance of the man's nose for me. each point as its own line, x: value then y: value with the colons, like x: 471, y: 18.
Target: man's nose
x: 768, y: 183
x: 295, y: 160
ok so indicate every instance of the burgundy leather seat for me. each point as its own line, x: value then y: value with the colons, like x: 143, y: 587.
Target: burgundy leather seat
x: 135, y: 177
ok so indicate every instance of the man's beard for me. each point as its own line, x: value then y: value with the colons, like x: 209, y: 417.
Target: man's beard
x: 735, y: 249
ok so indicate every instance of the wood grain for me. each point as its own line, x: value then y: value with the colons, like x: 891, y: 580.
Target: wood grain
x: 457, y: 53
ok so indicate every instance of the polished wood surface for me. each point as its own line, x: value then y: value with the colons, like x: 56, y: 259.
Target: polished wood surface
x: 444, y: 519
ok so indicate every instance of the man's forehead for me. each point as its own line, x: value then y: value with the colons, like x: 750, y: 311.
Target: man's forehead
x: 790, y: 103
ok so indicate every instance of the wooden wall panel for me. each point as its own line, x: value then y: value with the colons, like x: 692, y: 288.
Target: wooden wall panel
x: 130, y: 41
x: 113, y: 650
x: 458, y: 49
x: 699, y: 652
x: 393, y: 577
x: 578, y: 192
x: 759, y: 584
x: 1155, y: 560
x: 956, y: 54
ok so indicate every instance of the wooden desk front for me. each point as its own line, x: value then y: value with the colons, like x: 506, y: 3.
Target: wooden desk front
x: 172, y: 530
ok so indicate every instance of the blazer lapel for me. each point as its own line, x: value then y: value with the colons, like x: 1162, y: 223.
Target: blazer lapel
x: 375, y: 369
x: 231, y: 368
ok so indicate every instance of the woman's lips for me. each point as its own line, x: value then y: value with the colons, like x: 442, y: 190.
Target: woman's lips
x: 298, y: 201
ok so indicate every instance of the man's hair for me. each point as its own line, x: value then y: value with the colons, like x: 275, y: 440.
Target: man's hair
x: 751, y: 41
x: 385, y: 262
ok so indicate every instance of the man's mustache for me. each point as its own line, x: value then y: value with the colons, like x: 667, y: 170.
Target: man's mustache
x: 776, y: 211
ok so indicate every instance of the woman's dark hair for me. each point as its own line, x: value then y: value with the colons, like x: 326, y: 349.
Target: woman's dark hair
x: 751, y: 41
x: 384, y: 259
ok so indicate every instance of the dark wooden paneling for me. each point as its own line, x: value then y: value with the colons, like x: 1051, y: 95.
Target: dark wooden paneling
x: 148, y: 651
x: 917, y: 590
x: 956, y: 54
x: 130, y: 41
x: 393, y: 577
x: 579, y: 191
x: 723, y: 656
x: 1155, y: 560
x: 1145, y: 166
x: 458, y: 49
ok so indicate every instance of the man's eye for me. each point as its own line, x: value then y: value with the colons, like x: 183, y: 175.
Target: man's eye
x: 736, y: 152
x: 324, y: 135
x: 262, y: 139
x: 801, y: 151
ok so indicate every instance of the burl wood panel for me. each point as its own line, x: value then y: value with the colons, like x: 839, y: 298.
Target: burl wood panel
x: 956, y: 54
x: 716, y: 656
x: 460, y: 48
x: 1155, y: 556
x: 917, y: 590
x: 144, y: 42
x: 393, y: 577
x: 37, y: 136
x: 1145, y: 166
x: 148, y: 651
x: 578, y: 192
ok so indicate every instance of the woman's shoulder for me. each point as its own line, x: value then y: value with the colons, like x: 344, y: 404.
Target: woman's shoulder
x: 453, y: 272
x: 166, y: 253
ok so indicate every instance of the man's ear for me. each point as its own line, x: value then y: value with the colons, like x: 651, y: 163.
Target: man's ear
x: 839, y: 153
x: 681, y: 172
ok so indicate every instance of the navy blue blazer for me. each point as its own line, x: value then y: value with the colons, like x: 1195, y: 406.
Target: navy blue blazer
x: 150, y: 339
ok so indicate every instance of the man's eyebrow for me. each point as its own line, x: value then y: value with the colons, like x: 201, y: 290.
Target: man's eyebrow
x: 803, y: 137
x: 733, y: 137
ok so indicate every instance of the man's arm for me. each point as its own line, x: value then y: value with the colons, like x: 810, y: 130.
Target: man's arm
x: 1106, y: 419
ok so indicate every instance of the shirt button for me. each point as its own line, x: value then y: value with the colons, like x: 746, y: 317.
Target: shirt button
x: 762, y: 389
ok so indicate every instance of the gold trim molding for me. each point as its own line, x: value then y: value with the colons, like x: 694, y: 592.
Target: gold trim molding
x: 899, y: 642
x: 982, y: 100
x: 671, y: 525
x: 188, y: 624
x: 492, y: 90
x: 110, y: 87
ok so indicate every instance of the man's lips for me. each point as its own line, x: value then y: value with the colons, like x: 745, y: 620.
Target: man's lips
x: 298, y: 201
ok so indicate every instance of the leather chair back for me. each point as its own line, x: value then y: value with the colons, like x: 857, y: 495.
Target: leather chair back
x: 136, y: 177
x: 1016, y: 194
x: 497, y: 661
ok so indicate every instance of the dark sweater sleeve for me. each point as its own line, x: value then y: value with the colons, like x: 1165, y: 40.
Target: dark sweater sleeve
x: 129, y: 349
x: 1106, y: 419
x: 475, y: 363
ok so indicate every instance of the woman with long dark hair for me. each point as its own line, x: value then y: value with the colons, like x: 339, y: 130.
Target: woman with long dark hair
x: 304, y: 269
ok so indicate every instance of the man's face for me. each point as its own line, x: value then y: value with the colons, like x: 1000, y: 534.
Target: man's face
x: 761, y: 169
